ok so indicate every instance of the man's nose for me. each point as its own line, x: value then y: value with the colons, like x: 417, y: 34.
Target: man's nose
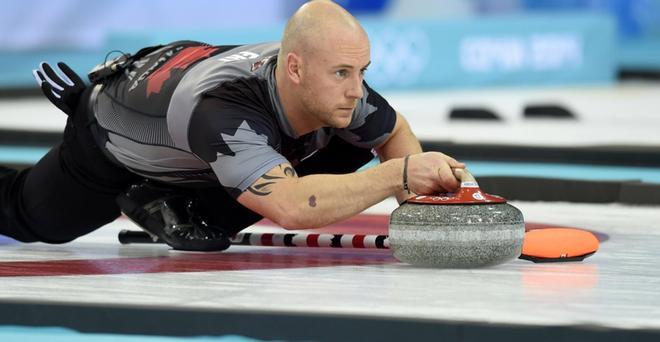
x: 355, y: 91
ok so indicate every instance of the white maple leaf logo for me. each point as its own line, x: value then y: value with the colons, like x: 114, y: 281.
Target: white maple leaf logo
x: 244, y: 138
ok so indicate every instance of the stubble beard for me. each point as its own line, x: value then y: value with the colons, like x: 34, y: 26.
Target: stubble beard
x: 326, y: 117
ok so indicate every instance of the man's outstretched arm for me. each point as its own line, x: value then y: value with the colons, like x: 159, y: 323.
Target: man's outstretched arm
x: 318, y: 200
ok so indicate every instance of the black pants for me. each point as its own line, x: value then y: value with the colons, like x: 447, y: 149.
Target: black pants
x: 71, y: 191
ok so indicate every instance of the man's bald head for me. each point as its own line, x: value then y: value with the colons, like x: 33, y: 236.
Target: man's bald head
x: 321, y: 65
x: 315, y: 25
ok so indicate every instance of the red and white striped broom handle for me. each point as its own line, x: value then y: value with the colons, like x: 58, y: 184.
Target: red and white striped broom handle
x: 281, y: 239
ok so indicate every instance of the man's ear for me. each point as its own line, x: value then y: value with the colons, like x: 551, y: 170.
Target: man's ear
x: 294, y: 67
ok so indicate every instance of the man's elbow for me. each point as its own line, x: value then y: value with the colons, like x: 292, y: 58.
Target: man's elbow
x: 293, y: 217
x: 292, y: 221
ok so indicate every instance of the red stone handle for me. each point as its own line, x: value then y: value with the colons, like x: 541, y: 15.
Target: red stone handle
x: 468, y: 193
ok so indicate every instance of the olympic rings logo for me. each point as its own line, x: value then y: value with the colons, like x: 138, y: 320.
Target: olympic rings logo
x: 399, y: 56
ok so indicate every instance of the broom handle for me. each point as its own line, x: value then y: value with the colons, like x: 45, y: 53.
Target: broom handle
x: 280, y: 239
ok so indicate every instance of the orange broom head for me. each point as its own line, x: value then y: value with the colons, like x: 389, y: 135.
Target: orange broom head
x: 559, y: 243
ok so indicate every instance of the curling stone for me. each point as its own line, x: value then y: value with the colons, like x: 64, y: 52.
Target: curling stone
x: 465, y: 229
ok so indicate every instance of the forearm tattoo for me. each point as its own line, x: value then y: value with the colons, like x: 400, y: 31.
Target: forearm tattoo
x: 262, y: 187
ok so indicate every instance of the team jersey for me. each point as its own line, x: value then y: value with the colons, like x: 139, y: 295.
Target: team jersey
x: 195, y: 114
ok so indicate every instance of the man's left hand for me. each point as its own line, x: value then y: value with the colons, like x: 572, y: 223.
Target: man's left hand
x: 63, y: 89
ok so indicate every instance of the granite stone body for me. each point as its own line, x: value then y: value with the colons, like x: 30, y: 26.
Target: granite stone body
x: 456, y: 235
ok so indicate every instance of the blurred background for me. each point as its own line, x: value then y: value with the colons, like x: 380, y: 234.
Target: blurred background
x: 416, y: 43
x: 550, y: 83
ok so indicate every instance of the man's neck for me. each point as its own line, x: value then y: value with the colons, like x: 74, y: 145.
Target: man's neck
x: 299, y: 121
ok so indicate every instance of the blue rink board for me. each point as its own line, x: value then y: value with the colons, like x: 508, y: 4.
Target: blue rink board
x: 565, y: 171
x: 37, y: 334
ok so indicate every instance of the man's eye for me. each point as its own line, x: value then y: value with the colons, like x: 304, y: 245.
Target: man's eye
x: 341, y: 73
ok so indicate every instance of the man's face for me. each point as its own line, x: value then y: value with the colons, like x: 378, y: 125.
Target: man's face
x: 331, y: 82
